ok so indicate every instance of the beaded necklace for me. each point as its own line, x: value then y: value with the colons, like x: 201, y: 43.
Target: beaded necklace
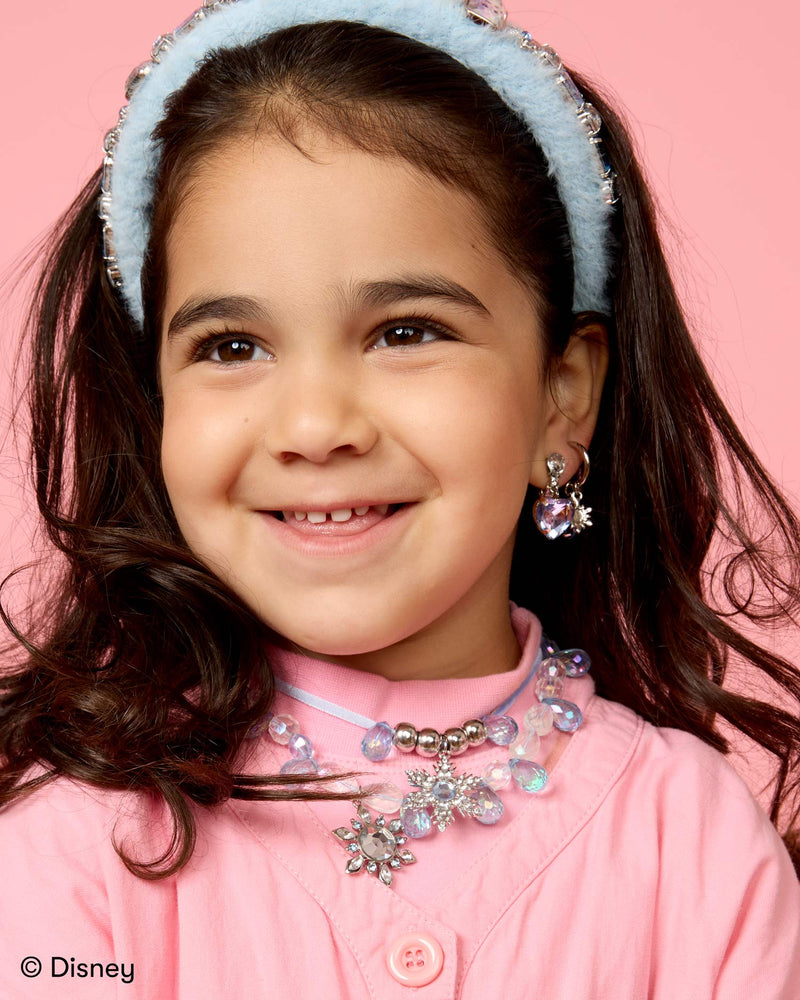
x: 376, y: 845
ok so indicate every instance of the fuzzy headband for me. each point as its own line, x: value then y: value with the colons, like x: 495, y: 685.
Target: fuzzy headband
x: 529, y: 77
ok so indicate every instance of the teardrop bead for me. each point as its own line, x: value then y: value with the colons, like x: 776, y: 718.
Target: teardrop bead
x: 567, y: 717
x: 497, y: 775
x: 501, y: 730
x: 349, y: 785
x: 259, y: 727
x: 576, y: 661
x: 539, y: 718
x: 387, y: 800
x: 526, y: 745
x: 416, y: 822
x: 549, y: 680
x: 490, y: 805
x: 377, y: 743
x: 303, y: 766
x: 550, y: 647
x: 530, y: 776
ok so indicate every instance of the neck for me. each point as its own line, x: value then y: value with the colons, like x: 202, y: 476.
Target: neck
x: 462, y: 643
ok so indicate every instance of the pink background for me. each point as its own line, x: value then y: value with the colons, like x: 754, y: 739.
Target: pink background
x: 709, y: 90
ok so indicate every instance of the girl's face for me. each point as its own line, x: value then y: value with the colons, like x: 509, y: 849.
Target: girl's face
x: 340, y: 334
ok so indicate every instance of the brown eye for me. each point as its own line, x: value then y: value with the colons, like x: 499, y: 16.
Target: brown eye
x: 411, y: 334
x: 234, y: 350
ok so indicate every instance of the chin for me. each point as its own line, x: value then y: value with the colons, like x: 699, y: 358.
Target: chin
x: 342, y: 636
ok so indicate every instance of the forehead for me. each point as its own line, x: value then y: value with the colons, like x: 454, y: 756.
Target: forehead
x: 259, y: 210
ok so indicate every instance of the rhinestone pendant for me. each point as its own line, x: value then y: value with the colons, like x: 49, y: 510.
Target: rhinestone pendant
x: 374, y: 846
x: 553, y: 515
x: 443, y: 791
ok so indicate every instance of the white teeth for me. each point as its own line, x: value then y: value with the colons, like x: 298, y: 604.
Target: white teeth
x: 344, y: 514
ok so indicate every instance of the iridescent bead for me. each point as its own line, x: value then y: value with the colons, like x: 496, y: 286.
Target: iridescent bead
x: 306, y: 765
x: 490, y: 806
x: 539, y: 718
x: 550, y: 647
x: 501, y: 730
x: 349, y: 785
x: 576, y: 661
x: 526, y: 745
x: 259, y: 727
x: 549, y: 679
x: 300, y: 746
x: 566, y: 716
x: 530, y: 776
x: 377, y: 744
x: 282, y: 728
x: 497, y: 775
x: 387, y: 799
x: 416, y: 822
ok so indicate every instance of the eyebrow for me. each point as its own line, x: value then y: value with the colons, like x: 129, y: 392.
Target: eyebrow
x: 372, y: 294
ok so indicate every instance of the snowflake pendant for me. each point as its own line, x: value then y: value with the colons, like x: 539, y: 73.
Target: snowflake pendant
x: 375, y: 845
x: 443, y: 791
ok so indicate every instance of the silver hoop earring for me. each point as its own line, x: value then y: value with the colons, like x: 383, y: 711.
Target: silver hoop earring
x: 556, y: 516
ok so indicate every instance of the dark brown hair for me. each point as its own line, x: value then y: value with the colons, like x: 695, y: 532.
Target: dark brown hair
x: 143, y: 671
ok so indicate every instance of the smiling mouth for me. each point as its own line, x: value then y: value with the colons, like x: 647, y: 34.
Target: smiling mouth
x: 341, y: 516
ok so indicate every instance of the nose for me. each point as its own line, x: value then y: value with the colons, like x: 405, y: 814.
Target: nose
x: 319, y: 409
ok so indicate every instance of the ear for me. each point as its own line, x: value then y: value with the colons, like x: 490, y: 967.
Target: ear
x: 576, y: 387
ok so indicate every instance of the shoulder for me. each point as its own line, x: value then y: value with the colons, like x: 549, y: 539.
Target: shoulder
x: 685, y: 787
x: 703, y: 853
x: 63, y: 817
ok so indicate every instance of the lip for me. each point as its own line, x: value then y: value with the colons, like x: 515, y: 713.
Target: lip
x: 338, y: 545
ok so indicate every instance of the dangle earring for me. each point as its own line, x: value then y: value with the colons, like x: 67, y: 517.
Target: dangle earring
x: 556, y: 515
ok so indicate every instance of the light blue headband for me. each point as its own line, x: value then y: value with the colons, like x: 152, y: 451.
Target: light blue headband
x: 529, y: 77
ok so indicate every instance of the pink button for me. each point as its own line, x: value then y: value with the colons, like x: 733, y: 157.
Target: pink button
x: 415, y: 959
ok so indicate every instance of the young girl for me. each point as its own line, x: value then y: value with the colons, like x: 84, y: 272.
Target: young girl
x: 363, y: 329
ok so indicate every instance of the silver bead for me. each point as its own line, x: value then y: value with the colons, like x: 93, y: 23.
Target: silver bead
x: 457, y: 741
x: 475, y: 732
x: 405, y: 737
x: 428, y: 741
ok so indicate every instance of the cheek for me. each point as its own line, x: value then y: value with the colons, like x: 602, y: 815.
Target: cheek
x: 202, y: 449
x: 485, y: 424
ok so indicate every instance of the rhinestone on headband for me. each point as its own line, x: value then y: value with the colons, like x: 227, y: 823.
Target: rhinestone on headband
x: 589, y: 238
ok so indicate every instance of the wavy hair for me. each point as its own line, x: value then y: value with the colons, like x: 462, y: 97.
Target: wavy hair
x: 144, y: 672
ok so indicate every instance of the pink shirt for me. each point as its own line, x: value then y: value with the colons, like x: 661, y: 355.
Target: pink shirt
x: 645, y: 869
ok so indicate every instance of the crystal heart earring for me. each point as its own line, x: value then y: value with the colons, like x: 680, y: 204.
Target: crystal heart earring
x: 556, y: 515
